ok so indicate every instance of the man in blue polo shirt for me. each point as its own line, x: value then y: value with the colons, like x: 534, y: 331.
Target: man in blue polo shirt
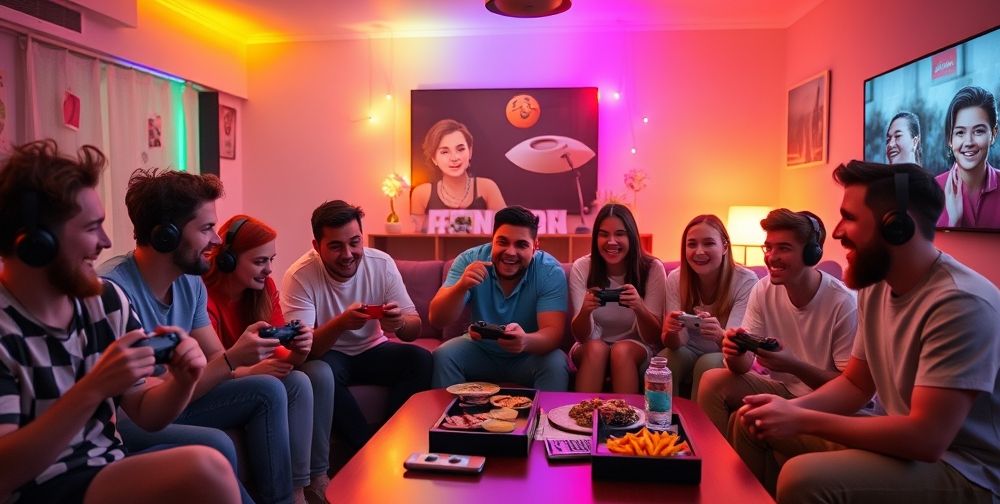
x: 512, y: 283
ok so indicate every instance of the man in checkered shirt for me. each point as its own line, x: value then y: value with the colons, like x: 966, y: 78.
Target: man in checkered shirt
x: 67, y: 357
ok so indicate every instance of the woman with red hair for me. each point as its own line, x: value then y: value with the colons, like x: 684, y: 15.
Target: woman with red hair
x: 241, y: 292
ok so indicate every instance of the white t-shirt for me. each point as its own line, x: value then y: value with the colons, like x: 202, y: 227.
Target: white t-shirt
x: 613, y: 322
x: 944, y: 333
x: 742, y: 282
x: 310, y: 294
x: 820, y: 333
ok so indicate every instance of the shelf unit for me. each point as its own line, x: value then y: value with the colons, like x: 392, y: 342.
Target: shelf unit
x: 420, y: 247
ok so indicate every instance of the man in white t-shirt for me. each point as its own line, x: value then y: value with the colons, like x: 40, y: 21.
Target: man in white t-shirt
x: 326, y: 288
x: 811, y: 314
x: 927, y: 343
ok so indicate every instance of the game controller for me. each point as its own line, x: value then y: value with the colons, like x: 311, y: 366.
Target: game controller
x: 283, y: 334
x: 752, y: 342
x: 689, y: 321
x: 162, y: 344
x: 489, y: 331
x: 373, y: 311
x: 605, y: 296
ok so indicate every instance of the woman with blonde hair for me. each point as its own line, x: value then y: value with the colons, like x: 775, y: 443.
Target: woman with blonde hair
x: 709, y: 285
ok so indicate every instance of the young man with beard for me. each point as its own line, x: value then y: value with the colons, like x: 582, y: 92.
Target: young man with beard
x: 67, y: 355
x: 810, y: 313
x: 927, y: 343
x: 326, y: 288
x: 173, y: 216
x: 512, y: 283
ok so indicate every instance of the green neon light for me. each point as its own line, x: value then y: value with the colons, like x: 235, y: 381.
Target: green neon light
x: 180, y: 123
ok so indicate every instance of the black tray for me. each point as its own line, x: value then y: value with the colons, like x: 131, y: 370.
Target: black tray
x: 480, y: 442
x: 681, y: 469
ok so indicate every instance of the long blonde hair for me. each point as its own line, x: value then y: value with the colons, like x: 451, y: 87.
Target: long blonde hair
x: 690, y: 292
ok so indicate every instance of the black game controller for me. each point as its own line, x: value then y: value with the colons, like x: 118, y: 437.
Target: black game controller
x: 605, y: 296
x: 283, y: 334
x: 489, y: 331
x: 752, y: 342
x: 162, y: 344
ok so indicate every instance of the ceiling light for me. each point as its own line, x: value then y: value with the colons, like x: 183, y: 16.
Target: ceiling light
x: 528, y: 8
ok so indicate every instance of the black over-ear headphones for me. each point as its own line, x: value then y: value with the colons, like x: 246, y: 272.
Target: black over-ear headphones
x: 165, y: 237
x: 225, y: 260
x: 33, y: 244
x: 897, y: 226
x: 813, y: 251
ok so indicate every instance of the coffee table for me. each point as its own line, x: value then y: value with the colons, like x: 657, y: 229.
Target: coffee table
x: 375, y: 474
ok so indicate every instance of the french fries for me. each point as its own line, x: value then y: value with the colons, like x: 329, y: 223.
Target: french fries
x: 649, y: 444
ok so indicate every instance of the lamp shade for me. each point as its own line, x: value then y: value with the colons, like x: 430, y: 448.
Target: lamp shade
x: 744, y: 224
x: 550, y: 153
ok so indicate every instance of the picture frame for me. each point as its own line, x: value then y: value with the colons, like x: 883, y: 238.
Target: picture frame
x: 808, y: 121
x: 227, y: 132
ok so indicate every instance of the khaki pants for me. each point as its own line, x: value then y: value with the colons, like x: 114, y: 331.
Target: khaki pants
x: 721, y: 393
x: 806, y: 469
x: 685, y: 364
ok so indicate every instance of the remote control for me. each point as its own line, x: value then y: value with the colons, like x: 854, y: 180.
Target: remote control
x: 468, y: 464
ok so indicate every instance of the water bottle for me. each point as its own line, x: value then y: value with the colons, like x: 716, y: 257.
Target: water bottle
x: 659, y: 384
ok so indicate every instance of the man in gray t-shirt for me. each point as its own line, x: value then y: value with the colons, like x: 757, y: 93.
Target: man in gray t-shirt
x: 927, y: 343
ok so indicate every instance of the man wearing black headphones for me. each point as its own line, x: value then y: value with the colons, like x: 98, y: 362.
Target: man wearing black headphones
x: 927, y: 343
x: 68, y: 353
x: 810, y: 314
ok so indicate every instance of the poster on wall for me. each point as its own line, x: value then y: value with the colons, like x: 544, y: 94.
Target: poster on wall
x: 940, y: 111
x: 154, y: 131
x: 227, y: 132
x: 483, y: 149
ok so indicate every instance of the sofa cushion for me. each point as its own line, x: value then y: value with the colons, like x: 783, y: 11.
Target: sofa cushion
x: 422, y: 280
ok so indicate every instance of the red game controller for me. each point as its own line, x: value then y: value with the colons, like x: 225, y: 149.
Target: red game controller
x: 373, y: 311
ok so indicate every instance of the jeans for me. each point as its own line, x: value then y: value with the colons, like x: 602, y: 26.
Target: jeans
x: 405, y: 369
x: 320, y: 416
x: 137, y: 440
x: 462, y: 359
x: 259, y: 404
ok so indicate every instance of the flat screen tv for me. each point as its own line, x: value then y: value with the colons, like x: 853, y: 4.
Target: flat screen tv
x: 535, y: 147
x: 934, y: 111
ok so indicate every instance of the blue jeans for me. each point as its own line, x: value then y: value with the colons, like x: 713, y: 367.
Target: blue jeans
x: 405, y: 369
x: 462, y: 359
x: 258, y: 404
x: 137, y: 440
x: 320, y: 417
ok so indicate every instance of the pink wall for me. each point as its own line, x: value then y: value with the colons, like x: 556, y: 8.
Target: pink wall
x: 857, y: 39
x: 714, y: 99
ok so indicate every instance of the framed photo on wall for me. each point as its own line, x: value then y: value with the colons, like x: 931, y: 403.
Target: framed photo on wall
x: 808, y: 122
x: 227, y: 132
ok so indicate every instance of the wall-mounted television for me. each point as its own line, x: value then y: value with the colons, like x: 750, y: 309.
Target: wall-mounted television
x: 934, y: 111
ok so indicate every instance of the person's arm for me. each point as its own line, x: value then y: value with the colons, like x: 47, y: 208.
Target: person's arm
x: 27, y: 451
x: 673, y: 335
x: 248, y: 350
x: 784, y: 361
x: 583, y: 304
x: 843, y: 395
x: 649, y: 313
x: 156, y: 406
x: 753, y: 322
x: 551, y: 309
x: 741, y: 298
x: 450, y: 299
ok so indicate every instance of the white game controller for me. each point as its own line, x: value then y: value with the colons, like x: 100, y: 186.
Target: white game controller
x: 692, y: 322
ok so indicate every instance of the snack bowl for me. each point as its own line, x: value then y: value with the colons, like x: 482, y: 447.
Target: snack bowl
x: 473, y: 393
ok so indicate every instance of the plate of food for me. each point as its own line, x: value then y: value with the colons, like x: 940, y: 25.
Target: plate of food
x: 580, y: 417
x: 473, y: 392
x: 511, y: 401
x: 465, y: 422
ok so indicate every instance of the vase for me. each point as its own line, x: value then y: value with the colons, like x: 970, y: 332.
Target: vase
x: 392, y: 224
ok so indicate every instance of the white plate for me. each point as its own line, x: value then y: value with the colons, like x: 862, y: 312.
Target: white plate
x: 560, y: 418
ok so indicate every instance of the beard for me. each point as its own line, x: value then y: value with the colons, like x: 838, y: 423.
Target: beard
x: 870, y: 266
x: 196, y: 265
x: 72, y: 279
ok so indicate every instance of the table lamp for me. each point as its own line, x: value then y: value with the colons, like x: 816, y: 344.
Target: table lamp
x: 549, y: 154
x: 391, y: 187
x: 745, y: 231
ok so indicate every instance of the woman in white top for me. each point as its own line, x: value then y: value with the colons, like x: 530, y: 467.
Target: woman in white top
x: 709, y: 284
x: 622, y: 333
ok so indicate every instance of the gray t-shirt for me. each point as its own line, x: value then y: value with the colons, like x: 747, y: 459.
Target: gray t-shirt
x: 944, y: 333
x: 188, y: 309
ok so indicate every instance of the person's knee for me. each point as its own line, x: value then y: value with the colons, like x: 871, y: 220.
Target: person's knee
x: 297, y: 383
x: 320, y: 375
x: 268, y: 388
x: 805, y: 478
x: 711, y: 384
x: 421, y: 359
